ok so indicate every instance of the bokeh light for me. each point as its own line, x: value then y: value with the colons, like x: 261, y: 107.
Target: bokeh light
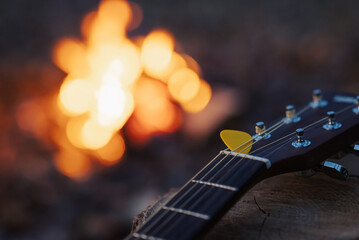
x: 156, y: 55
x: 183, y: 84
x: 76, y: 96
x: 113, y: 81
x: 72, y: 163
x: 70, y: 55
x: 95, y: 135
x: 200, y: 101
x: 113, y: 151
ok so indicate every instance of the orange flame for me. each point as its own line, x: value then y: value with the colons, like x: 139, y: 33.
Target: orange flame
x: 113, y: 151
x: 156, y: 54
x: 183, y: 84
x: 111, y: 78
x: 73, y: 164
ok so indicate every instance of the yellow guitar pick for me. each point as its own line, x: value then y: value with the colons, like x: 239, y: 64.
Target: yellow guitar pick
x: 235, y: 139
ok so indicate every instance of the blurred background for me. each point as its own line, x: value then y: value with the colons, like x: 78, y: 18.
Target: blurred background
x: 104, y: 106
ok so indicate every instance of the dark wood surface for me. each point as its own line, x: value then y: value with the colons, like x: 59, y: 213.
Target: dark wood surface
x: 291, y: 207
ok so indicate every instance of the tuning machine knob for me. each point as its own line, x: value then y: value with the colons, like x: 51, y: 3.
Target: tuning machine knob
x: 356, y: 109
x: 332, y: 124
x: 300, y: 142
x: 334, y: 170
x: 318, y: 100
x: 290, y: 115
x: 260, y: 130
x: 331, y: 169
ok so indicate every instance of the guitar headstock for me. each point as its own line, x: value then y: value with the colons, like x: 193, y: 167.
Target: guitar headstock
x: 302, y: 139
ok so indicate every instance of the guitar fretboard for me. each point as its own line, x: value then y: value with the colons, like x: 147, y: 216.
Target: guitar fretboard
x: 202, y: 200
x: 330, y: 122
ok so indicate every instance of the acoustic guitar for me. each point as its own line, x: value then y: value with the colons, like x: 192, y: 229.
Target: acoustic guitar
x: 299, y: 141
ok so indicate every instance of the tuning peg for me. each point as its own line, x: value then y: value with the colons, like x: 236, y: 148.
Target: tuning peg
x: 330, y: 168
x: 353, y: 149
x: 356, y: 109
x: 300, y: 142
x: 332, y: 124
x: 318, y: 100
x: 260, y: 129
x: 334, y: 170
x: 290, y: 114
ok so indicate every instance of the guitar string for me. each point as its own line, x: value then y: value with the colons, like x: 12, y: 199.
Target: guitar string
x: 218, y: 171
x: 303, y: 110
x: 252, y: 152
x: 227, y: 178
x: 211, y: 178
x: 223, y: 178
x: 288, y: 134
x: 243, y: 167
x: 305, y: 128
x: 308, y: 127
x: 289, y: 140
x: 279, y: 146
x: 207, y: 172
x: 197, y: 191
x: 274, y: 125
x: 312, y: 125
x: 228, y: 175
x: 151, y: 225
x: 255, y: 136
x: 267, y: 131
x: 282, y: 138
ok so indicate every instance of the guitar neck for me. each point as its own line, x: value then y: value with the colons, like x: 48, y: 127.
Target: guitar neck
x: 331, y: 122
x: 203, y: 200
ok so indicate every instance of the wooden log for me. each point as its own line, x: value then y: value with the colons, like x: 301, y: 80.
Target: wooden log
x: 289, y: 207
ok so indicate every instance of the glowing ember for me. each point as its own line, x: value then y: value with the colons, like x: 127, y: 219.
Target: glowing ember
x: 156, y: 55
x: 112, y: 152
x: 72, y: 163
x: 183, y: 84
x: 73, y: 131
x: 75, y: 96
x: 70, y: 55
x: 111, y: 78
x: 154, y: 112
x: 111, y: 102
x: 200, y: 101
